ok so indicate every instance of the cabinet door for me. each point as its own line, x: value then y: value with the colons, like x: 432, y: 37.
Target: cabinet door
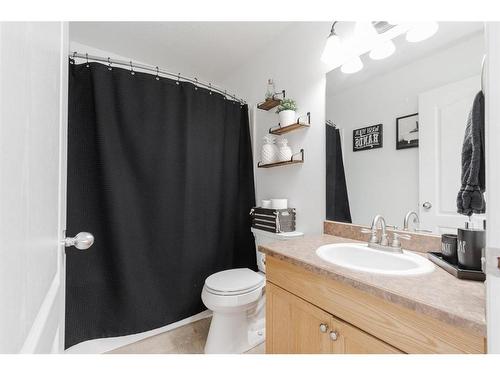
x: 294, y: 325
x: 347, y: 339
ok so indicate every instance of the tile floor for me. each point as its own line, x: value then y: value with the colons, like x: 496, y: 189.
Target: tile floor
x: 188, y: 339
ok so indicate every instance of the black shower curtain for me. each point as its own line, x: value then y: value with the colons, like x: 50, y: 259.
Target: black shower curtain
x: 337, y: 200
x: 161, y: 173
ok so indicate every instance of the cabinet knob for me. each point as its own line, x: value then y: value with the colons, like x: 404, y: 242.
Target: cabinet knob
x: 323, y: 327
x: 333, y: 335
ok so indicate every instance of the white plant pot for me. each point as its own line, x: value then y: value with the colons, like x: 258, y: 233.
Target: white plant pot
x: 287, y: 117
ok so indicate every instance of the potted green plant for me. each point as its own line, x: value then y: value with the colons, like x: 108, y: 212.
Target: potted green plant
x: 286, y: 111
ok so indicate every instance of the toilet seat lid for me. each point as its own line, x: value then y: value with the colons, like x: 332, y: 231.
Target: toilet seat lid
x: 238, y: 280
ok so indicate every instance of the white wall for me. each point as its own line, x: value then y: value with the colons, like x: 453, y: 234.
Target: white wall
x: 294, y: 63
x: 385, y: 180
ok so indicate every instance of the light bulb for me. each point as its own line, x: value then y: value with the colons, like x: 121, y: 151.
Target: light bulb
x: 365, y: 30
x: 352, y: 66
x: 365, y: 36
x: 333, y: 47
x: 421, y: 31
x: 382, y: 50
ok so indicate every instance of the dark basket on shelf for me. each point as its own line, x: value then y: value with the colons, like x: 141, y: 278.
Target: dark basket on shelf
x: 273, y: 220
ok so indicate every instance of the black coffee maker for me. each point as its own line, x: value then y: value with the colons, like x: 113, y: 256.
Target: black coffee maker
x: 470, y: 246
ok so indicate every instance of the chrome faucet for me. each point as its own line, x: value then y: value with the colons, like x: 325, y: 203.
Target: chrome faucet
x: 383, y: 244
x: 373, y: 231
x: 409, y: 214
x: 383, y: 238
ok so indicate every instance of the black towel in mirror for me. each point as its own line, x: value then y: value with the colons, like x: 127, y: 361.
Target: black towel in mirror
x: 470, y: 199
x: 337, y: 201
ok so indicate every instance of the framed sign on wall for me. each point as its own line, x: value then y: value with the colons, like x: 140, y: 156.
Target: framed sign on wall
x: 407, y: 131
x: 367, y: 138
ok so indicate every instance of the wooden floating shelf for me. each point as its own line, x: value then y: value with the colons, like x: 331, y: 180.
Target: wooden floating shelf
x: 287, y: 129
x: 282, y: 163
x: 279, y: 130
x: 271, y: 103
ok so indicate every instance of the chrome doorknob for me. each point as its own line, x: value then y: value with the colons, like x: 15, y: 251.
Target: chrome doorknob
x: 427, y: 205
x: 82, y: 241
x: 333, y: 335
x: 323, y: 327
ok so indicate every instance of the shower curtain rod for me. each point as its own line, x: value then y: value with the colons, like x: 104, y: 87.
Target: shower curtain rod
x: 155, y: 69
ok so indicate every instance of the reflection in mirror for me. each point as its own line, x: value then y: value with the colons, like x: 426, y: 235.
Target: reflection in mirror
x: 401, y: 121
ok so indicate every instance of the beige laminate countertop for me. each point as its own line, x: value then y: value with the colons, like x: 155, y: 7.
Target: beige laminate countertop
x: 437, y: 294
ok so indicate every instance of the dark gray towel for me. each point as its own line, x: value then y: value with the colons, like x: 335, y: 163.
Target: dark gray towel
x: 470, y: 199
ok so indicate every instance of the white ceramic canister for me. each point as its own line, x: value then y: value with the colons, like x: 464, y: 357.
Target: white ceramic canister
x: 266, y: 203
x: 284, y: 151
x: 269, y: 152
x: 287, y: 117
x: 279, y: 204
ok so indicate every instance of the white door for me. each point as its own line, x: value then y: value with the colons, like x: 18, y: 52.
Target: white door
x: 33, y: 103
x: 443, y: 116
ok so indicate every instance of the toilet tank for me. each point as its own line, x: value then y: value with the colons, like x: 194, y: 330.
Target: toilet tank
x: 262, y: 237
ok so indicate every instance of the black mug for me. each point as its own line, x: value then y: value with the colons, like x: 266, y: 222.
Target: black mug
x: 471, y: 243
x: 449, y: 248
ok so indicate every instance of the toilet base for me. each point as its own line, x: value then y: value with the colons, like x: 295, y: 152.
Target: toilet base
x: 231, y: 333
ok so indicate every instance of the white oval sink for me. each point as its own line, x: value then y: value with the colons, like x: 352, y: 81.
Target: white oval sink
x: 360, y: 257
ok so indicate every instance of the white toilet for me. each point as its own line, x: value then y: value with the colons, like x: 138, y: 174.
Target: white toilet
x: 237, y: 300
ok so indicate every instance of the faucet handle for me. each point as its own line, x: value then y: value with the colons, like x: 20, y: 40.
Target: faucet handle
x: 395, y: 239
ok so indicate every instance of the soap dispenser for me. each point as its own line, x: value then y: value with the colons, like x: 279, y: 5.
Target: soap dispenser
x: 470, y: 246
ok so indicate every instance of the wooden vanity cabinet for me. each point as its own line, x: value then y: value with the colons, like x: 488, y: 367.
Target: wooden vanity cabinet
x: 296, y: 326
x: 310, y: 313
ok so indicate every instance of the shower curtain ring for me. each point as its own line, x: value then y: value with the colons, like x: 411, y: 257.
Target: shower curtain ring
x: 157, y: 74
x: 178, y: 79
x: 109, y: 64
x: 87, y: 57
x: 131, y: 68
x: 210, y: 88
x: 72, y: 59
x: 196, y: 84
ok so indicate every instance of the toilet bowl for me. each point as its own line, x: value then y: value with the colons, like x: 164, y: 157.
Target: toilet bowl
x: 233, y: 296
x: 237, y: 300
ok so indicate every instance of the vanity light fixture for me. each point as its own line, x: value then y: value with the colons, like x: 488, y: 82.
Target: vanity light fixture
x: 421, y: 31
x: 345, y: 48
x: 382, y: 50
x: 333, y: 46
x: 352, y: 66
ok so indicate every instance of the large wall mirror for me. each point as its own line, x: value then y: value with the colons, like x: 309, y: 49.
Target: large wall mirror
x: 402, y: 121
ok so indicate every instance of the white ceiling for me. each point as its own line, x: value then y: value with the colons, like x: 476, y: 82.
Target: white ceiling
x: 207, y: 50
x: 449, y: 33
